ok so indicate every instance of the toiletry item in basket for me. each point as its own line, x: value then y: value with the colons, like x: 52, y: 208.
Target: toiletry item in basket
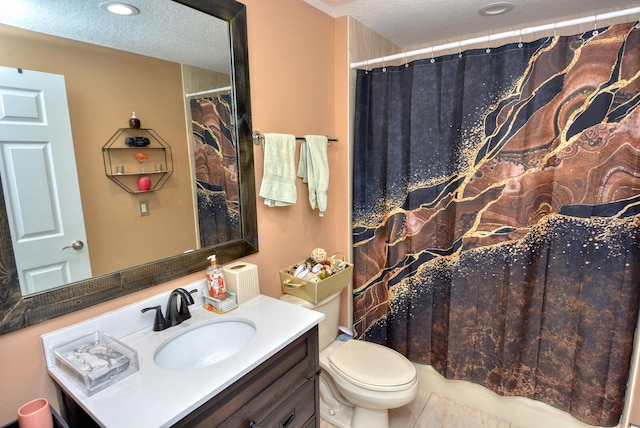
x: 215, y: 279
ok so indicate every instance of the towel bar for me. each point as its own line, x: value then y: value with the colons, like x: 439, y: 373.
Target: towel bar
x: 258, y: 137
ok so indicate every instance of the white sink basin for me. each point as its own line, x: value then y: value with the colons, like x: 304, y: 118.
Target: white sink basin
x: 205, y: 344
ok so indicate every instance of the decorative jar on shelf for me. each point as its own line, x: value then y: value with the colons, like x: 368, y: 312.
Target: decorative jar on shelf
x: 144, y: 183
x: 134, y: 122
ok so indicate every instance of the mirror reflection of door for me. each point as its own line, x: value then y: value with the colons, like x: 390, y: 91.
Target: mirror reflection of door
x: 40, y: 182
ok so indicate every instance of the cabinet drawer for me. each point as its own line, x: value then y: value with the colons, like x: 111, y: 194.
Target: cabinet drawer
x: 256, y: 395
x: 296, y: 409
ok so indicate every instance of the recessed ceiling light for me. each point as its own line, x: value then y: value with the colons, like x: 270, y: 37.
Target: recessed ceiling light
x: 494, y: 9
x: 13, y: 10
x: 121, y: 9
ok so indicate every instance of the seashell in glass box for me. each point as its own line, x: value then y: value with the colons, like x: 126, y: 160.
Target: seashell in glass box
x: 95, y: 361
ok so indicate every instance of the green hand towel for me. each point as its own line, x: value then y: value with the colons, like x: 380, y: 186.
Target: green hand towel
x: 313, y: 168
x: 279, y: 178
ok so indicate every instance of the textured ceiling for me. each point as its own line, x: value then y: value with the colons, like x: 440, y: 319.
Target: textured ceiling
x: 176, y: 33
x: 164, y: 29
x: 410, y: 23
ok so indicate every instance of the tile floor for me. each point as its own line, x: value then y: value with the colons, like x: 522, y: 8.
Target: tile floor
x: 429, y: 410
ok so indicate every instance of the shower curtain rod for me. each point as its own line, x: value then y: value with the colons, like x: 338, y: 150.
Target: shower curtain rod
x: 208, y: 91
x: 505, y: 35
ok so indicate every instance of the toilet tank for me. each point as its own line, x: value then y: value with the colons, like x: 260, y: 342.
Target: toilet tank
x: 330, y: 307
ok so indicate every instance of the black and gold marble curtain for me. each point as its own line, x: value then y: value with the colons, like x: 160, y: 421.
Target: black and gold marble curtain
x: 216, y: 169
x: 496, y: 205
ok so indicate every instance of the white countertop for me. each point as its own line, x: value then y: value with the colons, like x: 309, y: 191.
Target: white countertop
x: 156, y: 397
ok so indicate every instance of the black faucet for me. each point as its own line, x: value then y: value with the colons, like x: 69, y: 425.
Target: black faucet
x: 159, y: 324
x: 175, y: 314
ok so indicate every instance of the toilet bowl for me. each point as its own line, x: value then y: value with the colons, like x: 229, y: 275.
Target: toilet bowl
x: 360, y: 381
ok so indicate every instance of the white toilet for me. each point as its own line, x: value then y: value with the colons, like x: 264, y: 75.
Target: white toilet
x: 360, y: 381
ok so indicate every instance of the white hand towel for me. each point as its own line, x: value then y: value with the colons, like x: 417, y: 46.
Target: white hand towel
x: 313, y: 168
x: 279, y: 178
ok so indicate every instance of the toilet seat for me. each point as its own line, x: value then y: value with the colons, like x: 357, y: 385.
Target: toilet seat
x: 372, y: 366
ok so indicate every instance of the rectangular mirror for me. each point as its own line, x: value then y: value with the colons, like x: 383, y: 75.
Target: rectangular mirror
x: 224, y: 21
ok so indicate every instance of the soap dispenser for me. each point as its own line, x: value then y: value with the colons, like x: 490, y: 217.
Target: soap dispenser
x: 215, y: 279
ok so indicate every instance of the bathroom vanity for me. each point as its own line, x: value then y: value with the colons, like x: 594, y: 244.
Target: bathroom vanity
x: 283, y: 392
x: 271, y: 381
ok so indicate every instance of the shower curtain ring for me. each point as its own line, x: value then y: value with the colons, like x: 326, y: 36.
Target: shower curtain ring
x: 432, y: 58
x: 595, y: 25
x: 520, y: 38
x: 459, y: 49
x: 384, y: 68
x: 488, y: 49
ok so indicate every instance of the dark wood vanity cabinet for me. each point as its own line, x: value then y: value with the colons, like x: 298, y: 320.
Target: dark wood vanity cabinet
x: 281, y: 392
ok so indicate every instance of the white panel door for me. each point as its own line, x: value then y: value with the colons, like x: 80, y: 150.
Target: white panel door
x: 40, y: 181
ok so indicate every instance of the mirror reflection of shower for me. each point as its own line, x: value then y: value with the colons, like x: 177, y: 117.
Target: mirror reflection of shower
x: 215, y: 164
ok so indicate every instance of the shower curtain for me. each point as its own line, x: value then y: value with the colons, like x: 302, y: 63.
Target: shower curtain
x: 496, y: 205
x: 216, y: 170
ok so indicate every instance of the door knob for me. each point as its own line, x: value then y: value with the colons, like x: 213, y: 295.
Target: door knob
x: 77, y: 245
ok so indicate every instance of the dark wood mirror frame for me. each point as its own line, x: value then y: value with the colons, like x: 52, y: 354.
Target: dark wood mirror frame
x: 17, y: 312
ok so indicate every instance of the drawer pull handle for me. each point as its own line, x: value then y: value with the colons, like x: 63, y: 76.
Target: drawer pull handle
x: 286, y: 421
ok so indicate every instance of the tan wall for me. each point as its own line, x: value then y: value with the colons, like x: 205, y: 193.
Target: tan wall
x: 198, y: 79
x: 293, y: 53
x: 104, y: 86
x: 295, y: 89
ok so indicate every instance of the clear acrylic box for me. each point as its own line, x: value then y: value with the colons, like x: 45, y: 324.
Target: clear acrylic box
x: 95, y: 361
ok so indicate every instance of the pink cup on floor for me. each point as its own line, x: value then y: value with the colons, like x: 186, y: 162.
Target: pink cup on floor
x: 35, y: 414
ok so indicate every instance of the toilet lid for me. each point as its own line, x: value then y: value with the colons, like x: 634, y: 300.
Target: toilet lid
x: 372, y: 366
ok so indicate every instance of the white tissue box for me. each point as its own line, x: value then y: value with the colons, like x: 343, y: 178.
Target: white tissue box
x: 242, y: 279
x: 95, y: 361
